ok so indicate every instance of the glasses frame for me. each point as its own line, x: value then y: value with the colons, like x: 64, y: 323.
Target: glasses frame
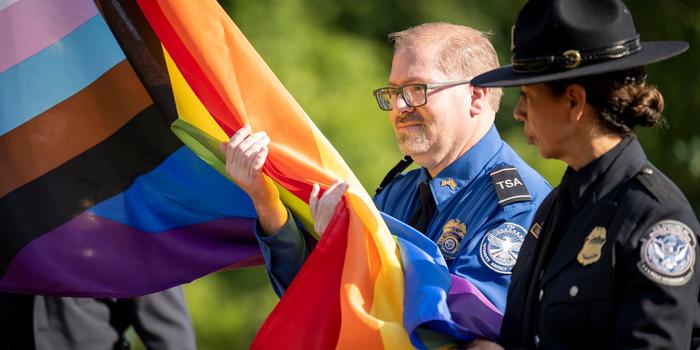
x: 425, y: 87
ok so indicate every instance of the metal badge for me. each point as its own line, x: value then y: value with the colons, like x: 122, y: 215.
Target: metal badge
x: 668, y: 253
x: 500, y: 247
x: 451, y: 238
x: 449, y: 182
x: 592, y: 246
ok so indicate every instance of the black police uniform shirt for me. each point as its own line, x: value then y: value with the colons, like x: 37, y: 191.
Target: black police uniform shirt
x: 609, y: 262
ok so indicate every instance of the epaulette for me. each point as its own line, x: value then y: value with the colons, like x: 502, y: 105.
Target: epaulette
x: 509, y: 186
x: 652, y: 181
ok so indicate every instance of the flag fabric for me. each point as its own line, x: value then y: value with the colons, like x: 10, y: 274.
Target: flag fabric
x: 99, y: 198
x: 359, y: 288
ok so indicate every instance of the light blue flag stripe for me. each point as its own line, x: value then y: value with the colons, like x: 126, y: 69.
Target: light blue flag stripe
x: 56, y: 73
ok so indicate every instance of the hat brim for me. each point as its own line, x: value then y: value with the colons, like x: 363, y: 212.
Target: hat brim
x: 652, y: 51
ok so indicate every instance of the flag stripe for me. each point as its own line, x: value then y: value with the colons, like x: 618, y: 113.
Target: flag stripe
x: 71, y: 127
x: 32, y: 25
x: 176, y: 192
x: 207, y: 93
x: 4, y: 4
x: 57, y: 72
x: 363, y: 264
x: 209, y: 53
x: 142, y: 49
x: 318, y: 309
x: 95, y: 175
x: 135, y: 257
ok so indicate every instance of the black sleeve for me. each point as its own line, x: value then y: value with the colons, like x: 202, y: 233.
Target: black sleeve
x: 658, y: 300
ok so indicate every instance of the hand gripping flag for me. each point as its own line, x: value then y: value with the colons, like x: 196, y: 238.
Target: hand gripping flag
x: 101, y: 200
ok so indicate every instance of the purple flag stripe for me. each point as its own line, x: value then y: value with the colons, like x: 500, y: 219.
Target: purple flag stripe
x: 30, y: 26
x: 466, y: 300
x: 76, y: 255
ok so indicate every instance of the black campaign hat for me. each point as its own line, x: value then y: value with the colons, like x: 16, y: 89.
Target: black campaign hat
x: 563, y: 39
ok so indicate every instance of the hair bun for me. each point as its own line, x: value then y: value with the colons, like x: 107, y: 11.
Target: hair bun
x: 644, y: 107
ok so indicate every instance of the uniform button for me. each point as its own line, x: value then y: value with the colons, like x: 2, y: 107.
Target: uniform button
x: 573, y: 291
x: 537, y: 341
x: 648, y: 171
x: 541, y: 294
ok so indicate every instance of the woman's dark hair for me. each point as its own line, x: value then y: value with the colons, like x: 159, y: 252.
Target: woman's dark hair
x: 622, y: 99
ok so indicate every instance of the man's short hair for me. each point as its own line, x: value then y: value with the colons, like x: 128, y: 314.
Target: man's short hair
x: 463, y: 52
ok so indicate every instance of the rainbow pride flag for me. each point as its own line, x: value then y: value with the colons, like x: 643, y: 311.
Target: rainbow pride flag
x: 102, y: 200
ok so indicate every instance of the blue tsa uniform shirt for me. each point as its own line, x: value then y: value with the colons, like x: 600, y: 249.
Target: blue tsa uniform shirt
x: 483, y: 202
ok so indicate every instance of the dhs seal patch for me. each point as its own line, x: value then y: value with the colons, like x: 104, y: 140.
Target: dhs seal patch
x: 668, y: 253
x: 500, y: 247
x: 451, y: 238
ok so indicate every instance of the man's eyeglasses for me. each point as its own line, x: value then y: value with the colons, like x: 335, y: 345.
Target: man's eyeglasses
x: 415, y: 95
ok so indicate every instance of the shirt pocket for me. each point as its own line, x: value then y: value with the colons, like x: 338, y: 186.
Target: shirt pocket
x: 584, y: 321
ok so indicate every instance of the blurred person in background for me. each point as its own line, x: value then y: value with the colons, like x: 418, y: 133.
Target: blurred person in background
x: 161, y: 321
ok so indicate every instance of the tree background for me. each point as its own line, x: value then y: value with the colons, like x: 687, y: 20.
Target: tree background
x: 331, y: 54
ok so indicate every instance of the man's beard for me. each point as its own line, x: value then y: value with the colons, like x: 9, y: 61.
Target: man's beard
x: 413, y: 142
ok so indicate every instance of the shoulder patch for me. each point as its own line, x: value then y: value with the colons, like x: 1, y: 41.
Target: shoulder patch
x: 500, y: 247
x: 668, y: 253
x: 509, y: 187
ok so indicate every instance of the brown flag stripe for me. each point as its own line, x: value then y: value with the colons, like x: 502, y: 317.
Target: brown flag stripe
x: 71, y: 127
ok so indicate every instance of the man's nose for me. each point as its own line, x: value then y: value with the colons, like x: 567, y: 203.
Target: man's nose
x: 399, y: 104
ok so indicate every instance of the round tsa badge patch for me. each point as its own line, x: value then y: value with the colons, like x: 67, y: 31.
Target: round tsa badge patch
x: 668, y: 253
x: 451, y: 238
x: 500, y: 247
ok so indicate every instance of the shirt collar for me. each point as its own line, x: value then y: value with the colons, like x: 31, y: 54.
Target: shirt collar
x: 580, y: 181
x: 465, y: 169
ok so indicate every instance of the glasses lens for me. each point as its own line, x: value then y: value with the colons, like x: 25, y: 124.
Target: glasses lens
x: 384, y: 96
x: 414, y: 95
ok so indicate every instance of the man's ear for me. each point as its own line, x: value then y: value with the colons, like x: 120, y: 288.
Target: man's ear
x: 576, y: 99
x: 479, y: 96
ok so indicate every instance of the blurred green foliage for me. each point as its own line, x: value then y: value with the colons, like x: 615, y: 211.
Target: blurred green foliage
x: 332, y: 54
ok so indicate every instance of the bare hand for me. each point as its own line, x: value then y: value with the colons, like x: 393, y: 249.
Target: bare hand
x: 246, y: 153
x: 322, y: 209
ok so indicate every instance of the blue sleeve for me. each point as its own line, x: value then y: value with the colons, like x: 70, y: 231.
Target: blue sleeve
x: 481, y: 264
x: 284, y: 252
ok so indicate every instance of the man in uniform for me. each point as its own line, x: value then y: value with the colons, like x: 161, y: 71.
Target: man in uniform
x: 472, y: 194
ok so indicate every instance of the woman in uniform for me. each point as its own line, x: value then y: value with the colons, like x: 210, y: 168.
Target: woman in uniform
x: 610, y: 260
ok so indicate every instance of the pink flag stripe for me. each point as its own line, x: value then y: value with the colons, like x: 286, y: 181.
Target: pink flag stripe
x: 29, y: 26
